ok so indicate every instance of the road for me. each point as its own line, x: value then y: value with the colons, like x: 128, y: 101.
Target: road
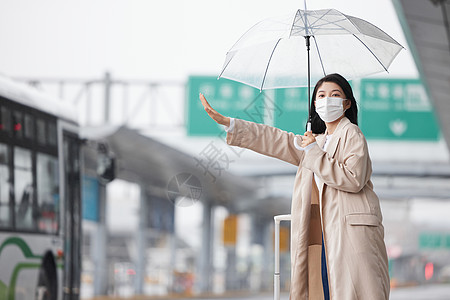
x: 424, y: 292
x: 427, y: 292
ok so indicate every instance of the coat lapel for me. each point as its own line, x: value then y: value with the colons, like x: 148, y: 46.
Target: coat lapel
x: 331, y: 148
x: 320, y: 139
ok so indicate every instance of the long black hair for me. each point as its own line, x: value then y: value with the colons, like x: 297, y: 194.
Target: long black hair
x: 317, y: 125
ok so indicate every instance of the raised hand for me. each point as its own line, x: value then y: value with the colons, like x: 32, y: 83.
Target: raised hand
x: 307, y: 138
x: 220, y: 119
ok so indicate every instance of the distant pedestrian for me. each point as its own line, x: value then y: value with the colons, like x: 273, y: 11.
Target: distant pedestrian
x: 333, y: 202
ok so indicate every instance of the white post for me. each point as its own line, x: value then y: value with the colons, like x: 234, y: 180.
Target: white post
x: 140, y: 259
x: 276, y: 276
x: 99, y: 241
x: 206, y: 271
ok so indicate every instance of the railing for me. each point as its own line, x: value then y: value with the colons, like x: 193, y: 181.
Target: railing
x: 139, y: 104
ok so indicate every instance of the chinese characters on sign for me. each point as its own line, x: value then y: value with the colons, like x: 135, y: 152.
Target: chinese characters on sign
x: 396, y: 109
x: 389, y: 109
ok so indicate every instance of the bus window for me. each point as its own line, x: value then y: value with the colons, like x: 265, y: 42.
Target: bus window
x: 29, y: 127
x: 52, y: 134
x: 5, y: 120
x: 18, y: 124
x: 47, y: 193
x: 41, y: 132
x: 23, y: 188
x: 5, y: 219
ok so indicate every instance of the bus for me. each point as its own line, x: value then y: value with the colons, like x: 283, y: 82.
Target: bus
x: 40, y: 196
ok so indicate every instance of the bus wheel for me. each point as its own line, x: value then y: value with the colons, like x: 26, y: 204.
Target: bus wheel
x: 46, y: 287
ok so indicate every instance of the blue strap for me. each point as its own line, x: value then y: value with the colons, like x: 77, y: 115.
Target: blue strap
x: 326, y: 291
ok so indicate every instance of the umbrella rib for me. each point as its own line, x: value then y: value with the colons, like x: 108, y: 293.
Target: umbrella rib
x: 320, y: 57
x: 328, y: 23
x: 268, y: 63
x: 333, y: 23
x: 321, y: 17
x: 306, y: 25
x: 246, y: 33
x: 370, y: 50
x: 225, y: 66
x: 293, y: 23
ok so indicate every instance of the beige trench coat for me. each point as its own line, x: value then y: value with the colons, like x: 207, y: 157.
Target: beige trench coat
x: 344, y: 207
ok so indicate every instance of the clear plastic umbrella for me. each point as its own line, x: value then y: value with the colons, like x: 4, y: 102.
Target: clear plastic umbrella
x: 293, y: 50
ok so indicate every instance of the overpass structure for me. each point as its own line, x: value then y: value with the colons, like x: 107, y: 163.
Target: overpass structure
x: 426, y: 25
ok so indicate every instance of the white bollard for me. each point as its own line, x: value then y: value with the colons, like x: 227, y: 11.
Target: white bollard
x: 276, y: 276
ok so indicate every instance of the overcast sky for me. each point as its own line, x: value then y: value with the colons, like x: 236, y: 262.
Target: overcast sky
x: 148, y: 39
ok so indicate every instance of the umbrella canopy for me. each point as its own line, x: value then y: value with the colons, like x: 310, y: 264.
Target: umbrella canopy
x: 272, y: 54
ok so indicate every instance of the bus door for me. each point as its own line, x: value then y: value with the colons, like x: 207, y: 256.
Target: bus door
x: 72, y: 219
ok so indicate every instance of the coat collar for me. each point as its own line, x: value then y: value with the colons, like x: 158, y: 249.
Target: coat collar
x: 334, y: 141
x: 344, y: 121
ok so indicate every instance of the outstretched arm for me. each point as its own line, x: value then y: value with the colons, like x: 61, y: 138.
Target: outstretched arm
x: 260, y: 138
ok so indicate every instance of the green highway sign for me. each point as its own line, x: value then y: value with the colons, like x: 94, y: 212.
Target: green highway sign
x: 293, y: 106
x: 396, y: 109
x: 388, y: 109
x: 434, y: 241
x: 228, y: 97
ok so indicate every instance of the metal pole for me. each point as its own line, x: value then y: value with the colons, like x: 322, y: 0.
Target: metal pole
x: 231, y: 276
x: 173, y: 259
x: 307, y: 38
x: 99, y: 247
x: 205, y: 258
x: 268, y: 255
x: 88, y: 122
x: 276, y: 275
x: 141, y: 243
x: 107, y: 82
x: 125, y: 103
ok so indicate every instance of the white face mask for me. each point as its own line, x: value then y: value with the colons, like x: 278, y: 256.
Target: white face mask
x: 330, y: 109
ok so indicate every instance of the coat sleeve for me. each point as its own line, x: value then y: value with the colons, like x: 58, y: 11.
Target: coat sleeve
x: 349, y: 175
x: 266, y: 140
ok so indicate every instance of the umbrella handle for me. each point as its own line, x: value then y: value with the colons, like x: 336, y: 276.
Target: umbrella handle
x: 308, y: 126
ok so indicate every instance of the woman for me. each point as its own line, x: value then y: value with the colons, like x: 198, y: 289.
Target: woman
x: 337, y: 246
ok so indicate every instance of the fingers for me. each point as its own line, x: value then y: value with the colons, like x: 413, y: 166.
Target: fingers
x: 211, y: 112
x: 204, y: 101
x: 206, y: 105
x: 304, y: 140
x: 307, y: 139
x: 304, y: 143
